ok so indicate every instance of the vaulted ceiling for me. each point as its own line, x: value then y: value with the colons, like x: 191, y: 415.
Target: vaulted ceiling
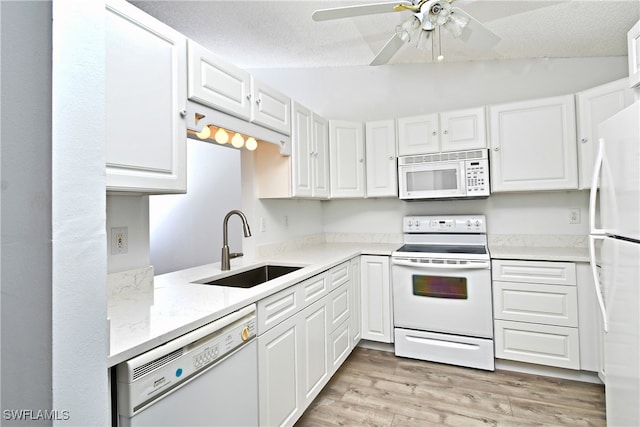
x: 281, y: 34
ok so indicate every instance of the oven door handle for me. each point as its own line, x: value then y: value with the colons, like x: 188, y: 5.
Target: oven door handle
x: 473, y: 265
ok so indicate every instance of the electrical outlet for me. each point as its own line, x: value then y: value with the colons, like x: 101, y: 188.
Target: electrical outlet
x: 286, y: 221
x: 263, y: 225
x: 574, y: 216
x: 119, y: 240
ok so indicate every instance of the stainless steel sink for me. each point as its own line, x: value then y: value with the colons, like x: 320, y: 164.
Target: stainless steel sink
x: 253, y: 277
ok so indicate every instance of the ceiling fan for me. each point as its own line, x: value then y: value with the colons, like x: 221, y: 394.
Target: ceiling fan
x: 426, y: 19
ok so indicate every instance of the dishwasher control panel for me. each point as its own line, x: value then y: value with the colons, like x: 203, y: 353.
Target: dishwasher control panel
x: 147, y: 377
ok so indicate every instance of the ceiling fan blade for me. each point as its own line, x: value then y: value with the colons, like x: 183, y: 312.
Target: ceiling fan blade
x: 359, y: 10
x: 386, y: 53
x: 475, y: 34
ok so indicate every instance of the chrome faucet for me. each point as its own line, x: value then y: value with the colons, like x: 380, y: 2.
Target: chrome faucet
x: 226, y: 256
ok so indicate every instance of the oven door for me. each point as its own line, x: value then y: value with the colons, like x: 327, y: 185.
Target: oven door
x: 432, y: 180
x: 443, y: 297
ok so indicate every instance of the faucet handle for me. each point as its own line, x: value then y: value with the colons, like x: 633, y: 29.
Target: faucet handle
x: 235, y: 255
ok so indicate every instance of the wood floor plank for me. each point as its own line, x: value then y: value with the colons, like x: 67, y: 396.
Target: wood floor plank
x: 376, y: 388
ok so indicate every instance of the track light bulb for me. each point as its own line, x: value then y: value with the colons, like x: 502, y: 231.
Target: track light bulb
x: 205, y: 133
x: 237, y: 140
x: 251, y: 144
x: 221, y: 136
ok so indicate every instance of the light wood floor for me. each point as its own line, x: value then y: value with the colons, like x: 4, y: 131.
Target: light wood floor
x: 376, y: 388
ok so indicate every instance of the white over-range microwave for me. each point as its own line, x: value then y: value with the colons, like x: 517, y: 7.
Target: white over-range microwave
x: 460, y: 174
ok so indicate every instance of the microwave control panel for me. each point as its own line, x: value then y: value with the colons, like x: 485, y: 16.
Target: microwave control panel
x: 477, y: 177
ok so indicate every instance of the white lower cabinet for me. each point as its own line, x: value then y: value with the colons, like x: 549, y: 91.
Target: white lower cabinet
x: 375, y: 288
x: 298, y: 352
x: 536, y: 312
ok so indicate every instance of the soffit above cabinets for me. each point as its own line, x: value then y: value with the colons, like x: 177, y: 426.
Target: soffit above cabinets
x: 281, y: 34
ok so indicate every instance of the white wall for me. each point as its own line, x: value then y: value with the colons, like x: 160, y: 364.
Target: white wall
x: 374, y: 93
x: 25, y: 166
x: 185, y: 230
x: 79, y: 301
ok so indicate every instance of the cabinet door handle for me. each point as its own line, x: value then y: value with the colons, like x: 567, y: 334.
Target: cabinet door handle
x: 249, y: 97
x: 496, y: 149
x: 434, y: 133
x: 361, y: 160
x: 258, y: 101
x: 445, y: 132
x: 584, y: 140
x: 183, y: 113
x: 391, y: 157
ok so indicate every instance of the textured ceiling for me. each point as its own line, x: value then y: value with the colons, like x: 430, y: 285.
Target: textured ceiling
x: 281, y: 34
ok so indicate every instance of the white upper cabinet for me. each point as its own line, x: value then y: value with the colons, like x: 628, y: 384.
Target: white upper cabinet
x: 146, y: 96
x: 633, y: 49
x: 533, y: 145
x: 310, y: 154
x: 593, y: 107
x: 463, y: 130
x: 270, y: 108
x: 219, y: 84
x: 418, y: 134
x: 346, y: 151
x: 381, y: 165
x: 449, y: 131
x: 320, y: 157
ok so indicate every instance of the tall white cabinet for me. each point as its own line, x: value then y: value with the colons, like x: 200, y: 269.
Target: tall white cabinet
x: 533, y: 145
x: 145, y: 105
x: 381, y: 164
x: 593, y: 106
x: 346, y: 164
x: 310, y: 153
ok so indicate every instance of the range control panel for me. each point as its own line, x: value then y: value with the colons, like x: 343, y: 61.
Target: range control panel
x: 444, y: 224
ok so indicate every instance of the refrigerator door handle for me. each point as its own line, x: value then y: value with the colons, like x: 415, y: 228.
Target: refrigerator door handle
x: 597, y: 168
x: 596, y: 279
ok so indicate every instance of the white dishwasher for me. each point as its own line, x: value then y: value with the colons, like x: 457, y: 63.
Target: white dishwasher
x: 207, y: 377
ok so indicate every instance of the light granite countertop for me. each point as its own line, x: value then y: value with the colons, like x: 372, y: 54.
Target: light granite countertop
x: 539, y: 247
x: 146, y: 311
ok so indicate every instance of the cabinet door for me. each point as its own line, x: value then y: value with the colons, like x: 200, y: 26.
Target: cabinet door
x: 590, y: 323
x: 280, y: 374
x: 314, y: 353
x: 593, y: 107
x: 346, y: 150
x: 217, y: 83
x: 382, y: 169
x: 418, y: 135
x: 355, y: 300
x: 302, y: 151
x: 320, y: 157
x: 533, y: 145
x: 463, y: 130
x: 270, y: 108
x: 376, y: 298
x: 146, y: 82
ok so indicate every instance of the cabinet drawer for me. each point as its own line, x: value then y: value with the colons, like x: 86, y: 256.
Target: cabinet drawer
x: 339, y: 275
x: 277, y: 307
x: 542, y: 344
x: 553, y: 273
x: 339, y: 347
x: 529, y: 302
x: 313, y: 289
x: 339, y: 303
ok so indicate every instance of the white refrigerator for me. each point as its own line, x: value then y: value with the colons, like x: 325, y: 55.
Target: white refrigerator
x: 617, y: 286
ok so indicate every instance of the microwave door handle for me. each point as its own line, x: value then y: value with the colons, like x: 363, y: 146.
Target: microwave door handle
x: 471, y: 266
